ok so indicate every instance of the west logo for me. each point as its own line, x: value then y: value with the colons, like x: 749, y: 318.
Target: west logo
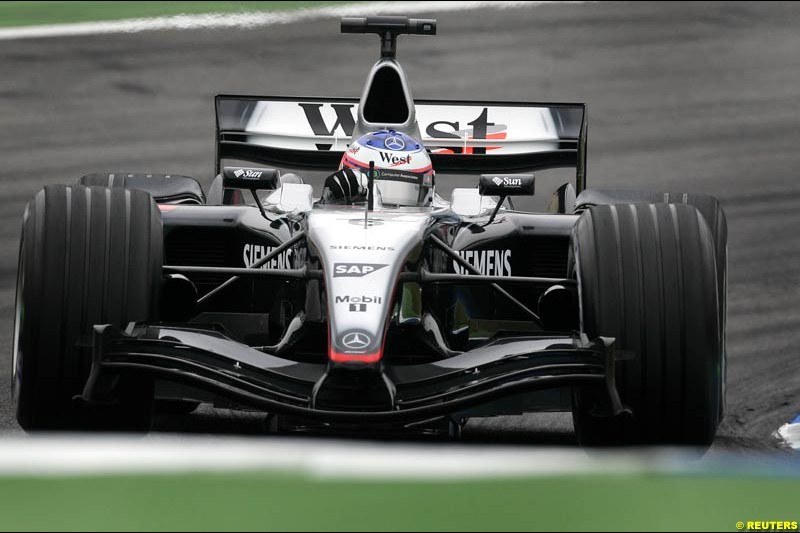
x: 395, y: 160
x: 488, y: 262
x: 343, y: 122
x: 480, y: 128
x: 354, y: 270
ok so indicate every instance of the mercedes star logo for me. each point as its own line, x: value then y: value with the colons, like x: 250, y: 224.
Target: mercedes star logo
x: 356, y: 340
x: 394, y: 143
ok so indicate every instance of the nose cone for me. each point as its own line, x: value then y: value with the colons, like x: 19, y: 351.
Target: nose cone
x: 361, y: 266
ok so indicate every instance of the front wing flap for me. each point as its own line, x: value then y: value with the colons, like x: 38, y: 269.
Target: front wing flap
x: 207, y: 359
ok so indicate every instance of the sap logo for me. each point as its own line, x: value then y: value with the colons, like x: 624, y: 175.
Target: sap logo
x: 488, y: 262
x: 366, y: 248
x: 358, y: 300
x: 395, y: 160
x: 507, y: 182
x: 354, y: 270
x: 247, y: 173
x: 253, y: 253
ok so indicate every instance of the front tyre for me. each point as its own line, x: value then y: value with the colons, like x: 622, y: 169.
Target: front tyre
x: 647, y: 276
x: 88, y: 255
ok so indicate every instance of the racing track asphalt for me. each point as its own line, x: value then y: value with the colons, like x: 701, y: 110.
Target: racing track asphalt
x: 682, y: 97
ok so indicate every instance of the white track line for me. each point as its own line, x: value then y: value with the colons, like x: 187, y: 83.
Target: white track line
x: 248, y: 20
x: 64, y: 456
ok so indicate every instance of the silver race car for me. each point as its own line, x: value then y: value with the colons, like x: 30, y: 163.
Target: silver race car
x: 375, y: 303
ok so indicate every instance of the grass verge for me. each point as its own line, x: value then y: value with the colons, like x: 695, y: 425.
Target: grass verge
x: 281, y: 501
x: 36, y: 13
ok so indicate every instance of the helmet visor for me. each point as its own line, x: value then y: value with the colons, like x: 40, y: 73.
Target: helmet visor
x: 403, y: 188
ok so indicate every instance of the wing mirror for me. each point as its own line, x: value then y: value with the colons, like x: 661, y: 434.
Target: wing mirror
x: 505, y: 185
x: 253, y: 179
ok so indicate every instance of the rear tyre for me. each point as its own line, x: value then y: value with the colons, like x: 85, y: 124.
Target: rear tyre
x: 88, y: 255
x: 708, y: 206
x: 647, y: 276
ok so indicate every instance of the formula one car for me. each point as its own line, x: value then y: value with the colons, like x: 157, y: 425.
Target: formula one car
x: 376, y: 304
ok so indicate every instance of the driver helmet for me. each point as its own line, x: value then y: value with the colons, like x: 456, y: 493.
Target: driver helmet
x: 403, y: 172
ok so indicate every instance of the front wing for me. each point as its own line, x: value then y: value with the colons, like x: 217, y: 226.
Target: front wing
x: 391, y: 394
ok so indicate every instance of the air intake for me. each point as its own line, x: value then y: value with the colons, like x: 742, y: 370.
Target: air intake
x: 386, y: 98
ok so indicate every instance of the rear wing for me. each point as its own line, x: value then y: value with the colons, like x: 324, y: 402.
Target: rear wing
x: 462, y: 136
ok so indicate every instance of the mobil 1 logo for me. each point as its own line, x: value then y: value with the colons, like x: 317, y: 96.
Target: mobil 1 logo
x: 358, y: 304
